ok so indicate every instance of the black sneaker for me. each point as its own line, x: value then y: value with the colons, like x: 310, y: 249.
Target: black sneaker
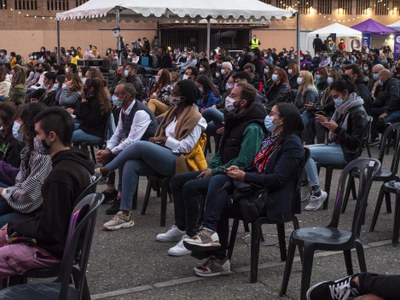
x: 114, y: 209
x: 110, y: 196
x: 341, y: 289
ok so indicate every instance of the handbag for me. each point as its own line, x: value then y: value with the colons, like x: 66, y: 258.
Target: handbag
x: 251, y: 199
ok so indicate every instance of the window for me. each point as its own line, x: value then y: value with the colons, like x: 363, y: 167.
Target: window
x: 80, y: 2
x: 25, y: 4
x: 57, y: 5
x: 362, y: 7
x: 396, y: 7
x: 345, y: 7
x: 304, y: 6
x: 381, y: 7
x: 3, y: 4
x: 325, y: 7
x: 283, y: 3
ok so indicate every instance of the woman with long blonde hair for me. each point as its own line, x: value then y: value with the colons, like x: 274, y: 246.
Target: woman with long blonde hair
x: 306, y: 92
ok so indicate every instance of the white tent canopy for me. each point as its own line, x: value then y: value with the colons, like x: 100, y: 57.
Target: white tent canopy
x: 395, y: 25
x: 340, y: 30
x: 177, y: 11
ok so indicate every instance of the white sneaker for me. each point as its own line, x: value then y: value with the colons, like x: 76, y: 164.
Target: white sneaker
x: 174, y: 234
x: 305, y: 192
x: 316, y: 202
x: 179, y: 249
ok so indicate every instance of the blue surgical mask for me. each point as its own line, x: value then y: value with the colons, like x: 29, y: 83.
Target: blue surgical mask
x: 268, y: 122
x: 115, y: 100
x: 329, y: 80
x: 126, y: 73
x: 56, y: 86
x: 375, y: 76
x: 274, y: 77
x: 338, y: 101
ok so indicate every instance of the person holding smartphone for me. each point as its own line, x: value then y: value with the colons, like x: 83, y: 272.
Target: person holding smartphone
x: 346, y: 131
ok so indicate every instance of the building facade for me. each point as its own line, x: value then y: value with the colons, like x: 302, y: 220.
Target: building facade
x: 26, y: 25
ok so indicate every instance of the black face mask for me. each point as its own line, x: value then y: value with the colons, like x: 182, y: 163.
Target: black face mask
x: 45, y: 146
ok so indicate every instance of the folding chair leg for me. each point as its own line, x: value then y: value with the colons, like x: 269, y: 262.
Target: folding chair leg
x: 396, y: 223
x: 388, y: 203
x: 361, y: 256
x: 255, y: 250
x: 328, y: 180
x: 348, y: 262
x: 146, y: 196
x: 308, y: 260
x: 232, y: 239
x: 288, y: 268
x: 377, y: 208
x: 282, y: 240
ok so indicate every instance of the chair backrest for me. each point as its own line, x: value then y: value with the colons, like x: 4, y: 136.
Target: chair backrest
x: 367, y: 168
x: 82, y: 221
x: 391, y: 138
x: 91, y: 188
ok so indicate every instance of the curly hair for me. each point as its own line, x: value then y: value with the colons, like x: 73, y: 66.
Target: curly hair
x: 99, y: 93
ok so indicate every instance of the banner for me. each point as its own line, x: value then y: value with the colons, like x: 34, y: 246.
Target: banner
x: 366, y: 40
x: 396, y: 52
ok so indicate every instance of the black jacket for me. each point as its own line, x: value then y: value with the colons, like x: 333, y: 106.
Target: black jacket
x: 277, y: 93
x: 71, y: 174
x: 281, y: 177
x: 351, y: 139
x: 92, y: 121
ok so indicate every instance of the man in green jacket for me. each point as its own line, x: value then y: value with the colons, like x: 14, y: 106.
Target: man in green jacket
x: 241, y: 140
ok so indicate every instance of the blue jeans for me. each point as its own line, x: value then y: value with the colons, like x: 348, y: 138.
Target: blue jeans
x: 309, y: 127
x: 79, y: 136
x: 393, y: 117
x: 214, y: 119
x: 325, y: 154
x: 141, y: 158
x: 8, y: 214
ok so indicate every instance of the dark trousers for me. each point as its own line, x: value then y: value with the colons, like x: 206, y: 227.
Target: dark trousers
x: 385, y: 286
x: 188, y: 193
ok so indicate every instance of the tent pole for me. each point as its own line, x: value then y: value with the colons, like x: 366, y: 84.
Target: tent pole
x: 298, y: 38
x: 208, y: 36
x: 117, y: 20
x: 58, y: 43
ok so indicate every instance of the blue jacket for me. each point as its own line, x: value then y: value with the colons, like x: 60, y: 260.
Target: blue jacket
x: 211, y: 100
x: 281, y: 176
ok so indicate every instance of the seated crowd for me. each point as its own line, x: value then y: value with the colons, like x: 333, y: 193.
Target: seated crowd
x: 260, y: 107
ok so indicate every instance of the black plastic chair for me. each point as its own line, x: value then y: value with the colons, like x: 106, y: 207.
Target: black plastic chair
x: 329, y: 168
x: 82, y: 221
x: 389, y: 187
x: 257, y: 235
x: 54, y: 271
x: 333, y: 238
x: 163, y: 184
x: 390, y: 138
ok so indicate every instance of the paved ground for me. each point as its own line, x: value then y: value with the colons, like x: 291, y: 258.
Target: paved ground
x: 130, y: 264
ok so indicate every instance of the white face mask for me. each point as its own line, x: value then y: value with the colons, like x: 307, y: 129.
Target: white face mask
x: 176, y: 100
x: 185, y: 77
x: 290, y: 71
x: 201, y: 70
x: 223, y: 72
x: 329, y: 80
x: 299, y: 80
x: 266, y: 71
x: 126, y: 73
x: 229, y: 86
x: 229, y: 104
x: 157, y: 78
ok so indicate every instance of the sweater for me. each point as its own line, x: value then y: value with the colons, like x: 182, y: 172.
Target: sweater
x: 71, y: 174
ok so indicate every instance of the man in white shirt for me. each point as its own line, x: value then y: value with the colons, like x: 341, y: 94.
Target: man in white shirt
x: 136, y: 122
